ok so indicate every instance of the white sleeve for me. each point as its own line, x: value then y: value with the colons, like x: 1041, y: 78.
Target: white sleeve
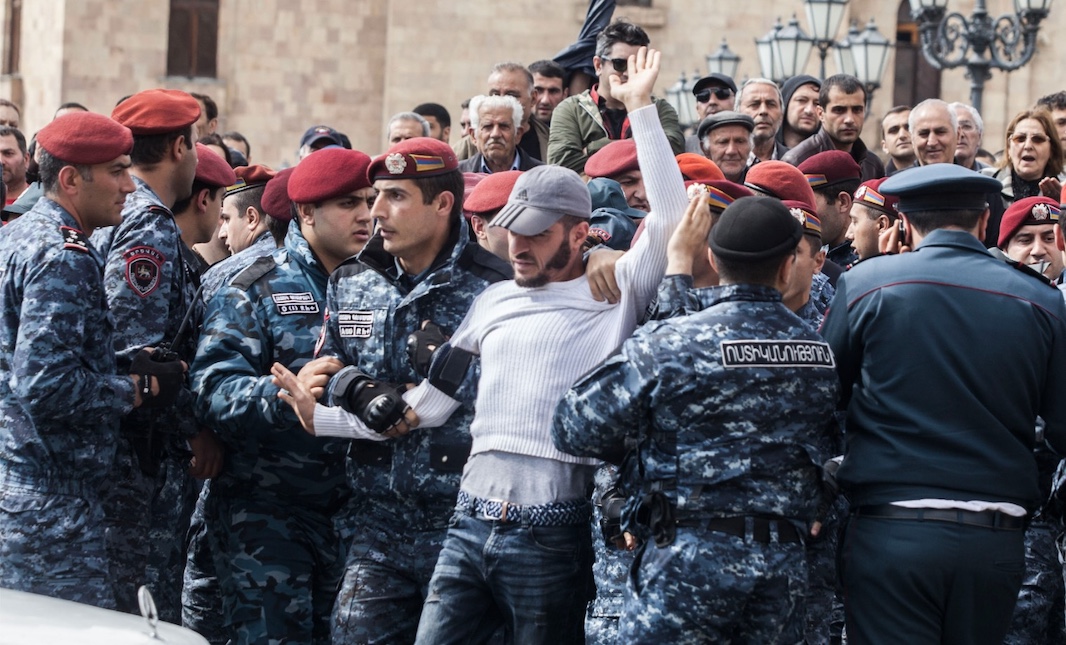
x: 641, y: 269
x: 432, y: 406
x: 338, y: 422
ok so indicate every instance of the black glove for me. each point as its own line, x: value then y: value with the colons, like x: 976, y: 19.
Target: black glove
x: 170, y: 374
x: 422, y: 344
x: 379, y: 405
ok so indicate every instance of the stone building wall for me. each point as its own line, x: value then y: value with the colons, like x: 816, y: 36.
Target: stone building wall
x: 285, y: 65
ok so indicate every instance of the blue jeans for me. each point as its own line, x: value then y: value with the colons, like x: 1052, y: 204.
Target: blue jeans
x: 534, y: 580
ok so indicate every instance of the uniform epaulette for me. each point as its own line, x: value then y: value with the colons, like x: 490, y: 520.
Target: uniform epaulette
x: 1031, y: 272
x: 484, y: 264
x: 246, y: 278
x: 74, y: 239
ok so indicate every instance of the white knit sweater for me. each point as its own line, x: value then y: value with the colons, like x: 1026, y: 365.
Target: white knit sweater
x: 535, y: 343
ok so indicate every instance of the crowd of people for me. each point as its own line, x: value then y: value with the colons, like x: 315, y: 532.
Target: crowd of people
x: 578, y: 377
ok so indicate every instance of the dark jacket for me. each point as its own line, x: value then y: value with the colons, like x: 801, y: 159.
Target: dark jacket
x: 869, y: 163
x: 473, y: 164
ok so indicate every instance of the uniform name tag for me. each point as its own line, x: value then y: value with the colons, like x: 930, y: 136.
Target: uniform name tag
x: 776, y: 353
x: 295, y: 303
x: 355, y: 324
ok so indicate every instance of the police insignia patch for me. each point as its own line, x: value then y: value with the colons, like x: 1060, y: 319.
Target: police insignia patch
x: 355, y: 324
x: 143, y: 268
x: 395, y: 163
x: 798, y: 213
x: 74, y: 239
x: 1041, y: 211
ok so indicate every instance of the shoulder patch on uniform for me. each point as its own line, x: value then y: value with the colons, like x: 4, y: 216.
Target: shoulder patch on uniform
x: 290, y: 304
x: 144, y: 265
x: 776, y: 353
x: 247, y: 277
x: 74, y: 239
x: 355, y: 324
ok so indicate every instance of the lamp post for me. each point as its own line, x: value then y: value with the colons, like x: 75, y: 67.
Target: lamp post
x: 869, y: 51
x: 979, y: 42
x: 842, y: 51
x: 793, y: 48
x: 723, y: 61
x: 769, y: 62
x: 824, y: 17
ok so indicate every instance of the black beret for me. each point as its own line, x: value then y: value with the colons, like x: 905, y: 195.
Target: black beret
x: 757, y: 228
x: 725, y: 117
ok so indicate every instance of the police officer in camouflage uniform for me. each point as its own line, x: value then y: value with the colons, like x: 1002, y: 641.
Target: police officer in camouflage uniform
x: 61, y: 395
x: 201, y: 600
x: 150, y: 288
x: 269, y: 516
x: 420, y: 265
x: 730, y: 412
x: 249, y: 231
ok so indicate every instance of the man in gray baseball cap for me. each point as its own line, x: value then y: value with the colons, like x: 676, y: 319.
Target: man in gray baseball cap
x: 550, y: 199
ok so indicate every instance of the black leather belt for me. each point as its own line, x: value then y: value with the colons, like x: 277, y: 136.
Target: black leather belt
x: 737, y: 526
x: 986, y: 519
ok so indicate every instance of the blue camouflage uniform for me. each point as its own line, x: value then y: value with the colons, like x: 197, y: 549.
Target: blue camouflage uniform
x: 60, y: 405
x: 221, y: 272
x: 269, y: 515
x: 404, y: 490
x: 730, y: 411
x: 150, y: 288
x: 609, y: 570
x: 677, y: 297
x: 200, y: 599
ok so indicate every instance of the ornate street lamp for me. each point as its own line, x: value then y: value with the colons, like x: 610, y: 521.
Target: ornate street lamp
x: 679, y: 96
x: 723, y: 61
x: 869, y: 51
x: 793, y: 48
x: 824, y: 17
x: 842, y: 51
x: 979, y: 42
x: 769, y: 61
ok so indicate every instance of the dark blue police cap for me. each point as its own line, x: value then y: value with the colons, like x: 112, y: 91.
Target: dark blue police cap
x: 940, y: 187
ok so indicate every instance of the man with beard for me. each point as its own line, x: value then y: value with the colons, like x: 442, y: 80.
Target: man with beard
x: 800, y: 94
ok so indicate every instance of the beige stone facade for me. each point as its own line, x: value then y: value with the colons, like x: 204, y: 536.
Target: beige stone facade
x: 284, y: 65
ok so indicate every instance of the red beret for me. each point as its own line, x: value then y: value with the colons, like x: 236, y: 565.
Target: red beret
x: 85, y: 138
x: 157, y: 111
x: 781, y: 180
x: 1062, y: 196
x: 613, y: 159
x: 414, y: 158
x: 211, y: 169
x: 492, y: 193
x: 720, y: 193
x: 250, y: 177
x: 830, y: 167
x: 329, y: 173
x: 696, y: 167
x: 470, y: 181
x: 869, y: 194
x: 1031, y: 210
x: 275, y: 200
x: 807, y: 215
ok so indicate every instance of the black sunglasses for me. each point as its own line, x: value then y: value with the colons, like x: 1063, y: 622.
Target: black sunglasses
x: 720, y: 93
x: 620, y: 65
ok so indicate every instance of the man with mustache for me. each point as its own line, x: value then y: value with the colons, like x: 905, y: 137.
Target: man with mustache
x: 497, y: 124
x: 843, y: 112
